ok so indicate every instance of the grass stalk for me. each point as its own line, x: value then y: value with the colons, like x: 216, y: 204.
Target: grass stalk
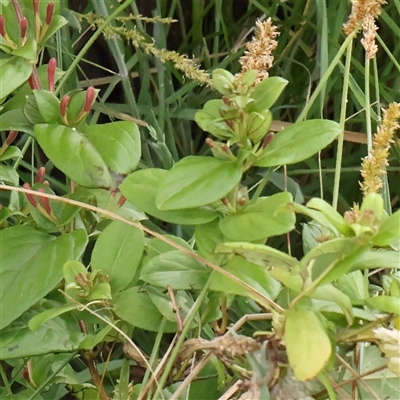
x: 326, y: 76
x: 187, y: 323
x: 339, y: 152
x: 90, y: 43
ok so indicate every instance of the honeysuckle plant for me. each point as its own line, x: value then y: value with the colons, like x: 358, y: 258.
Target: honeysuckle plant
x: 90, y: 275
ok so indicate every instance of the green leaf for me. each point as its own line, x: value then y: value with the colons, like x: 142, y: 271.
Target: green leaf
x: 197, y: 181
x: 307, y: 344
x: 208, y: 236
x: 389, y: 304
x: 342, y: 265
x: 156, y: 246
x: 374, y: 259
x: 11, y: 152
x: 75, y: 105
x: 286, y: 183
x: 61, y: 213
x: 164, y: 304
x: 27, y: 51
x: 48, y: 106
x: 259, y: 254
x: 135, y: 307
x: 299, y: 142
x: 15, y: 120
x: 117, y: 253
x: 118, y: 143
x: 71, y: 269
x: 257, y: 125
x: 254, y: 275
x: 317, y: 216
x: 59, y: 334
x: 57, y: 22
x: 40, y: 262
x: 355, y: 286
x: 331, y: 215
x: 140, y: 188
x: 389, y: 231
x: 17, y: 102
x: 209, y: 119
x: 266, y: 93
x: 222, y: 81
x: 336, y: 247
x: 9, y: 175
x: 72, y: 153
x: 259, y: 221
x: 291, y: 279
x: 175, y: 269
x: 332, y: 294
x: 47, y: 315
x: 14, y: 72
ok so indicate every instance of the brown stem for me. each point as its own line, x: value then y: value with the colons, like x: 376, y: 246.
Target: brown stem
x: 176, y: 309
x: 96, y: 377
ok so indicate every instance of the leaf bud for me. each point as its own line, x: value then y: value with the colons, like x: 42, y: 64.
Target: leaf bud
x: 30, y: 196
x: 2, y: 26
x: 267, y: 140
x: 35, y: 6
x: 222, y: 81
x: 11, y: 137
x: 23, y: 27
x: 45, y: 201
x: 40, y: 175
x: 373, y: 201
x: 49, y: 13
x: 63, y: 108
x: 90, y: 96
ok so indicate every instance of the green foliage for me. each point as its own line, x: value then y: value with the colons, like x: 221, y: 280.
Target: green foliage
x: 89, y: 296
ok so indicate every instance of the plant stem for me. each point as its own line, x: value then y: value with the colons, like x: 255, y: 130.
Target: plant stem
x: 325, y: 77
x: 89, y: 44
x: 367, y: 104
x: 5, y: 379
x: 187, y: 324
x: 261, y: 186
x: 343, y: 107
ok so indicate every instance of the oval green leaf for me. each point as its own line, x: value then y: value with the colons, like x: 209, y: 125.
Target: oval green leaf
x: 72, y: 153
x: 254, y: 275
x: 117, y: 253
x: 259, y: 254
x: 299, y: 142
x: 118, y: 144
x: 135, y: 307
x: 307, y: 344
x: 15, y: 71
x: 389, y: 231
x: 175, y: 269
x: 389, y: 304
x: 197, y: 181
x: 48, y: 105
x: 258, y: 221
x: 266, y: 93
x: 140, y: 188
x: 41, y: 262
